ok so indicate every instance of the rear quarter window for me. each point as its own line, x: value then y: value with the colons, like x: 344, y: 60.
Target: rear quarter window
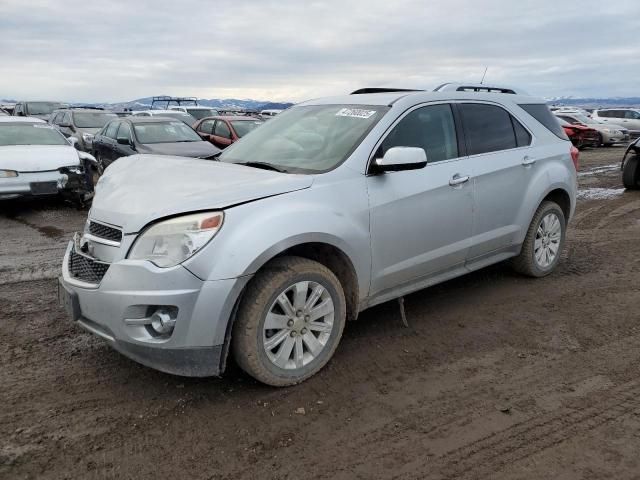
x: 542, y: 114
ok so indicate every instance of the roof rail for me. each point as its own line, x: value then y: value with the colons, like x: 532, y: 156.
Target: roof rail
x: 477, y: 87
x: 168, y: 100
x: 361, y: 91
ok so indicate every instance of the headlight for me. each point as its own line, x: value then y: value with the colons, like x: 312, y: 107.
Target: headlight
x: 172, y: 241
x: 8, y: 173
x: 606, y: 130
x: 87, y: 137
x: 77, y: 169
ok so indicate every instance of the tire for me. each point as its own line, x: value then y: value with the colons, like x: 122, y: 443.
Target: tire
x: 631, y: 173
x: 527, y: 262
x: 250, y: 338
x: 600, y: 141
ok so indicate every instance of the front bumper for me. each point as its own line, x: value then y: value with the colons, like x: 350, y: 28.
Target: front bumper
x: 131, y: 289
x: 611, y: 138
x: 35, y: 184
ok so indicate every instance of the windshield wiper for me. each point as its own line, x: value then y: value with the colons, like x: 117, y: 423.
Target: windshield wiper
x: 264, y: 165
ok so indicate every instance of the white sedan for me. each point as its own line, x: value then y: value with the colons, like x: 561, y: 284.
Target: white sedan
x: 36, y: 159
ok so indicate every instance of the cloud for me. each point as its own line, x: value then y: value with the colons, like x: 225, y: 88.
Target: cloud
x: 77, y: 50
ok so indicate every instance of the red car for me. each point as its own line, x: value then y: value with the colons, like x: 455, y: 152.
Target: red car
x: 222, y: 131
x: 580, y: 135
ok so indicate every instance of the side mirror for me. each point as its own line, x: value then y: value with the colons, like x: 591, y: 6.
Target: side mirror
x: 73, y: 141
x: 123, y: 141
x: 397, y: 159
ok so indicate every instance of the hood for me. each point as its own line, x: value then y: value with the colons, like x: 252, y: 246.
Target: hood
x: 183, y: 149
x: 138, y: 189
x: 37, y: 158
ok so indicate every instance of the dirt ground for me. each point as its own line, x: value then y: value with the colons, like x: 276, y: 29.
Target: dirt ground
x: 498, y: 376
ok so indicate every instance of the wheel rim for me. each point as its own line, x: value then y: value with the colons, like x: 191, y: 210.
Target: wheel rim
x: 298, y: 325
x: 547, y: 243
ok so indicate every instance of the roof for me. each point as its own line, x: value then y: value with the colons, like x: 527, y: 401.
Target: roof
x: 390, y: 98
x: 157, y: 119
x: 234, y: 118
x: 191, y: 107
x: 160, y: 111
x: 21, y: 120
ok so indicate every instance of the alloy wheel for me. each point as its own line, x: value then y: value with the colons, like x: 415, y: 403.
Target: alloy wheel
x: 298, y: 325
x: 547, y: 242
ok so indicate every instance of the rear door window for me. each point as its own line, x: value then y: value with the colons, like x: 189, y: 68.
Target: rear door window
x: 222, y: 129
x: 488, y: 128
x: 431, y: 128
x: 206, y: 127
x: 124, y: 131
x: 523, y: 137
x: 542, y: 114
x: 111, y: 130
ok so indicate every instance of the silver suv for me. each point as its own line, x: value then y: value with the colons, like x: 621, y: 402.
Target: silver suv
x: 629, y: 118
x: 331, y: 207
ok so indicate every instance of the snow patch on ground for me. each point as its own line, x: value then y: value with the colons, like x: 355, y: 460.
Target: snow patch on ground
x: 597, y: 170
x: 599, y: 193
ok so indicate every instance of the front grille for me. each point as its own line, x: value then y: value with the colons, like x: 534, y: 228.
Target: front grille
x: 104, y: 231
x: 86, y: 269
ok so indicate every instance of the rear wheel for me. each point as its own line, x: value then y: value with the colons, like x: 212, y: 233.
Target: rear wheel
x: 631, y: 173
x: 289, y: 322
x: 543, y: 243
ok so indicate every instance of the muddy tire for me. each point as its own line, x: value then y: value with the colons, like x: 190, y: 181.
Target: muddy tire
x: 631, y: 173
x: 543, y: 243
x: 289, y: 322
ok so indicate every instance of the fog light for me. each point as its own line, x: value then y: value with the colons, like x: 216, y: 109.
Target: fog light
x: 162, y: 322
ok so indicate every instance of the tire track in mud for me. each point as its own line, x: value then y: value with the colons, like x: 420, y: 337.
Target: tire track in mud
x: 432, y: 420
x: 523, y: 440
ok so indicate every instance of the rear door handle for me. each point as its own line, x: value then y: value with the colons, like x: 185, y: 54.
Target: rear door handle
x: 526, y: 161
x: 458, y: 179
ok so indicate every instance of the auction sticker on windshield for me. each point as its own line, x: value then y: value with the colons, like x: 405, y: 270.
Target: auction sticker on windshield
x: 355, y: 113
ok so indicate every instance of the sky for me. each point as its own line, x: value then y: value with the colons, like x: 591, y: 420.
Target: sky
x: 292, y: 50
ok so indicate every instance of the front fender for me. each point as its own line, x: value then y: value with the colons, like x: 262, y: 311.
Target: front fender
x: 254, y: 233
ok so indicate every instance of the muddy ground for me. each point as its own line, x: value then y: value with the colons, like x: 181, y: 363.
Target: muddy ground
x: 498, y: 376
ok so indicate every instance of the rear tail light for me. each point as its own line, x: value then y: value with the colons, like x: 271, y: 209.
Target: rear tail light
x: 575, y: 156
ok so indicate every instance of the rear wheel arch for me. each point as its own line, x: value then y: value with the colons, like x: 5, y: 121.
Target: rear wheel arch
x: 562, y: 198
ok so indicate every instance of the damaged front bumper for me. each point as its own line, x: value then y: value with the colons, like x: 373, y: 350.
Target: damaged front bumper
x: 66, y: 180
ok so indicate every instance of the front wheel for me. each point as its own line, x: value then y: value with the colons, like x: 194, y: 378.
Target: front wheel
x: 543, y: 243
x: 289, y: 322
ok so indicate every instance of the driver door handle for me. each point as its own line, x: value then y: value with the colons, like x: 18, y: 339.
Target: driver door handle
x: 527, y: 161
x: 458, y: 179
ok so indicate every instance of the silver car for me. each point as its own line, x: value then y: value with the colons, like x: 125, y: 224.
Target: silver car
x: 331, y: 207
x: 609, y: 133
x: 629, y: 118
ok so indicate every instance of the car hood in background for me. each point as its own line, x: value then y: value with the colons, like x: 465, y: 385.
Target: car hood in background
x: 183, y: 149
x: 37, y: 158
x: 138, y: 189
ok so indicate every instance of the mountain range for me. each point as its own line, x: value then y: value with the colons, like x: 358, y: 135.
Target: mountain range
x: 224, y: 103
x: 250, y: 104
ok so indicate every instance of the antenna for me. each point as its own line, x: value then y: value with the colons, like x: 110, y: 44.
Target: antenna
x: 483, y: 75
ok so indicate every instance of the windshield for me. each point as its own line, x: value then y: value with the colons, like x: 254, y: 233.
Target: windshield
x: 92, y: 119
x: 200, y: 113
x: 165, y: 132
x: 311, y: 139
x: 25, y: 134
x: 42, y: 108
x: 183, y: 117
x: 242, y: 127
